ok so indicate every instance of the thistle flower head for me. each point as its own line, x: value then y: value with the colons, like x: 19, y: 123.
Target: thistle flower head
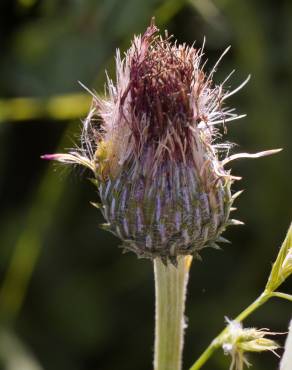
x: 152, y: 145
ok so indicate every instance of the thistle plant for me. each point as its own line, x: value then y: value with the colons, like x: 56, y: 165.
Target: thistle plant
x: 153, y: 144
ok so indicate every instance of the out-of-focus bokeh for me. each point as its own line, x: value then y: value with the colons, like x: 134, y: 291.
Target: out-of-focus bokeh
x: 69, y: 299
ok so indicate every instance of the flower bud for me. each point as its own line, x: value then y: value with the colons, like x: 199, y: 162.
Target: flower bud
x: 282, y: 267
x: 164, y: 191
x: 286, y: 268
x: 239, y: 340
x: 151, y: 143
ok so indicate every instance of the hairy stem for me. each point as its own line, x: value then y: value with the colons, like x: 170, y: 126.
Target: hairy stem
x: 170, y: 292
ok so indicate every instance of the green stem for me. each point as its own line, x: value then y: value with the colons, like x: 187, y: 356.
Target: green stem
x: 216, y: 343
x: 170, y: 292
x: 282, y: 295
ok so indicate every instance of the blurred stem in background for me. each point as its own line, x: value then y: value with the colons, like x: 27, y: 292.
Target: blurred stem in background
x: 63, y: 107
x: 28, y: 247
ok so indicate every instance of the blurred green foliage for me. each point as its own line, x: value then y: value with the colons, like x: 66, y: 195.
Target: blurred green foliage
x: 68, y: 298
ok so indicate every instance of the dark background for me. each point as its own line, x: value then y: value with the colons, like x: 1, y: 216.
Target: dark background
x: 69, y: 299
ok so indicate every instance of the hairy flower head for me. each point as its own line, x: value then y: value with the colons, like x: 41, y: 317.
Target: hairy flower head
x: 152, y: 144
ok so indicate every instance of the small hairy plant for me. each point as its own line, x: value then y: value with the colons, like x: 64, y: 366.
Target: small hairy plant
x: 154, y: 146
